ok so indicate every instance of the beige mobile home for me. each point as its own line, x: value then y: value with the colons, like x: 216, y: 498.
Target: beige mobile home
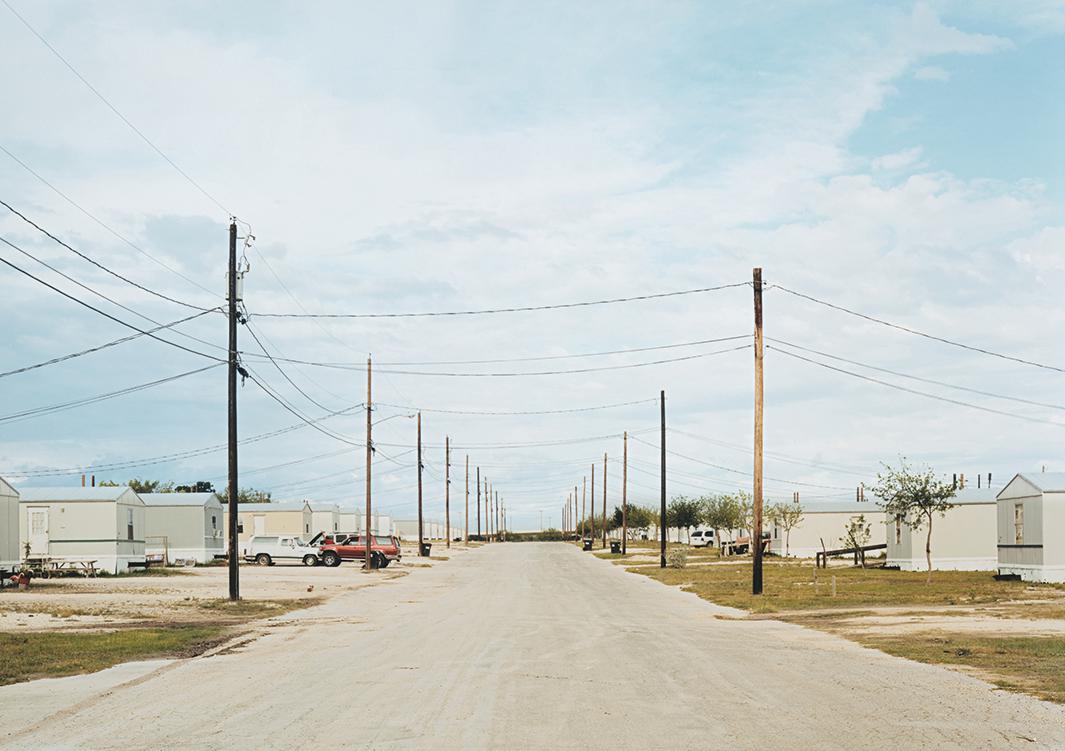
x: 184, y: 526
x: 105, y: 525
x: 10, y: 550
x: 325, y: 517
x: 825, y: 522
x: 962, y: 540
x: 273, y: 519
x: 1031, y: 527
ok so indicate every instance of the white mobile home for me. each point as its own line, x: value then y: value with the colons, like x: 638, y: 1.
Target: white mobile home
x: 963, y: 539
x: 354, y: 520
x: 104, y: 524
x: 10, y: 550
x: 825, y: 522
x: 184, y: 526
x: 272, y: 519
x: 1031, y: 527
x: 325, y: 517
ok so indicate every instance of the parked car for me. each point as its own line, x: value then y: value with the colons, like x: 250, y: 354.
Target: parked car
x: 702, y: 538
x: 383, y: 548
x: 266, y: 551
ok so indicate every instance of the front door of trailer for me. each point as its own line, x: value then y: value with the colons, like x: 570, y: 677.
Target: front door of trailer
x: 38, y: 526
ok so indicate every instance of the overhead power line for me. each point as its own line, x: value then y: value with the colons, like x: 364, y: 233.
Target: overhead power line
x: 518, y: 412
x: 307, y: 420
x: 285, y: 375
x: 102, y: 296
x: 115, y: 109
x: 149, y: 461
x: 94, y: 262
x: 90, y: 350
x: 104, y: 225
x: 925, y: 394
x: 915, y: 332
x: 571, y: 357
x: 520, y: 309
x: 357, y: 368
x: 723, y: 468
x: 97, y: 310
x: 62, y: 407
x: 918, y: 378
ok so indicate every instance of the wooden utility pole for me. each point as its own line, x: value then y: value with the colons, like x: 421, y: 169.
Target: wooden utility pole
x: 234, y: 491
x: 592, y: 509
x: 580, y: 516
x: 584, y: 502
x: 421, y: 537
x: 625, y: 492
x: 478, y: 501
x: 604, y: 501
x: 662, y: 473
x: 447, y: 489
x: 466, y: 534
x: 756, y: 533
x: 369, y: 454
x: 498, y: 518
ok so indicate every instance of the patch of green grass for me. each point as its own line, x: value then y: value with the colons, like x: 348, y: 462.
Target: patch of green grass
x: 245, y: 609
x: 1030, y: 664
x: 790, y: 586
x: 27, y: 656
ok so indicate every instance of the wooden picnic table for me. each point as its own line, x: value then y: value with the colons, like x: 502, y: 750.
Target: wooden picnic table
x: 46, y: 566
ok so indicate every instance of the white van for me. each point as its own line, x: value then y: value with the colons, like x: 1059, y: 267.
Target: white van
x: 267, y: 550
x: 702, y: 538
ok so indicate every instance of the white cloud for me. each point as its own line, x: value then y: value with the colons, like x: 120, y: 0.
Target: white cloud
x: 417, y: 174
x: 931, y: 73
x: 898, y: 160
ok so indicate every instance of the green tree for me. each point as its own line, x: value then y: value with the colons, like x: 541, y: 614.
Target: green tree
x: 915, y: 495
x: 640, y: 517
x: 717, y: 513
x: 857, y: 534
x: 248, y: 495
x: 787, y: 516
x: 683, y: 513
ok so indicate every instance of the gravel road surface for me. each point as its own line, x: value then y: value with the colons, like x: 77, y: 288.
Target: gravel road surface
x: 530, y: 646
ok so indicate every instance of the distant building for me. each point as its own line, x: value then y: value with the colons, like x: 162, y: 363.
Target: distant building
x: 354, y: 520
x: 1031, y: 527
x: 273, y: 519
x: 184, y: 526
x: 963, y: 539
x: 101, y: 524
x: 824, y: 523
x: 10, y: 550
x: 325, y: 517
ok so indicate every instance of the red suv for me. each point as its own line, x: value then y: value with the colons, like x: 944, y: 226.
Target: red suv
x: 334, y: 549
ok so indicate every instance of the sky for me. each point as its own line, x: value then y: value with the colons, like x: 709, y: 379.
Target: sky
x: 901, y: 160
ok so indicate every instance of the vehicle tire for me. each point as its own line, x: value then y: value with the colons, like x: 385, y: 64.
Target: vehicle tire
x: 310, y: 560
x: 383, y: 563
x: 331, y: 559
x: 263, y: 559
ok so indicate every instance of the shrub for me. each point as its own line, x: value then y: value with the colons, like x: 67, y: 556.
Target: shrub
x: 677, y: 558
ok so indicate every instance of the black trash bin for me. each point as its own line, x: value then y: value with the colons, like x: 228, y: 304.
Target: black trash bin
x: 587, y: 543
x: 615, y: 546
x: 426, y: 547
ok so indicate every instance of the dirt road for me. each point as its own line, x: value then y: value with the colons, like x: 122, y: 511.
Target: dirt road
x: 531, y: 646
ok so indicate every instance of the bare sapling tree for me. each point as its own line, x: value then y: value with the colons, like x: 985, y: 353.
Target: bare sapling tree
x: 787, y: 516
x: 914, y: 495
x: 856, y: 535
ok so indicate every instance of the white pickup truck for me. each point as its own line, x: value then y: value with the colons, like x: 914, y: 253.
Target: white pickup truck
x: 267, y: 550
